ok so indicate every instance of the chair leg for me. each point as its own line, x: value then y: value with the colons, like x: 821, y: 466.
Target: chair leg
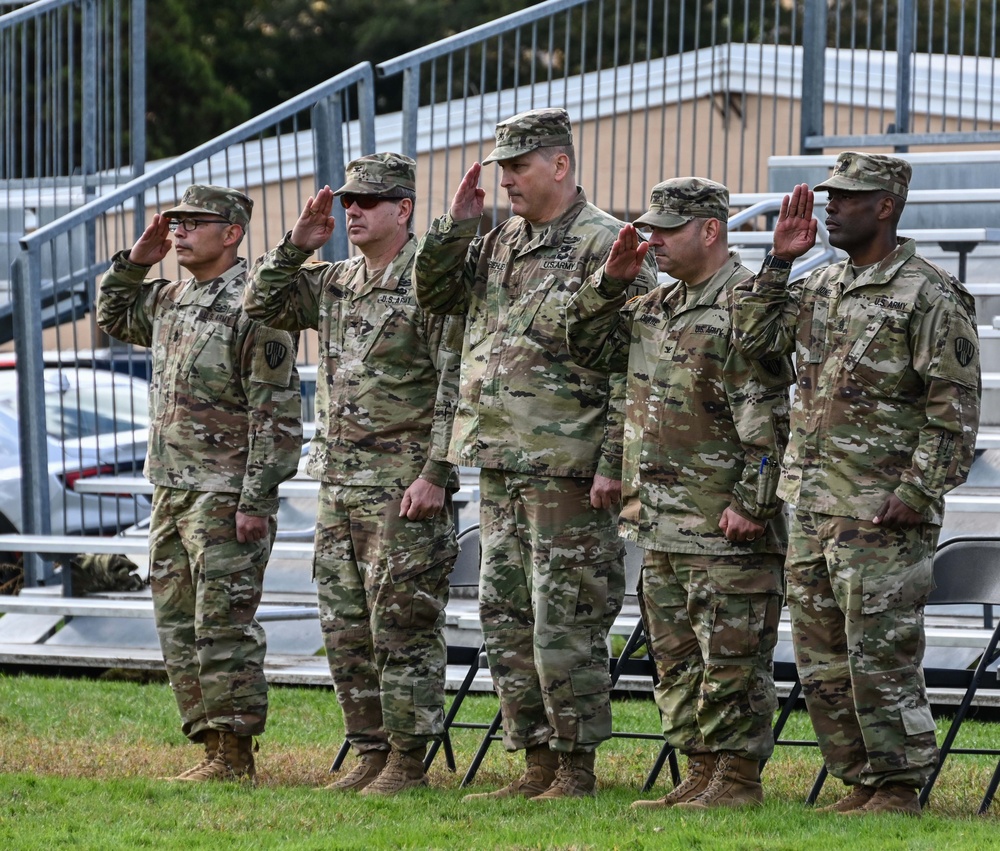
x: 488, y: 739
x: 341, y: 756
x: 991, y: 790
x: 817, y: 786
x: 667, y: 753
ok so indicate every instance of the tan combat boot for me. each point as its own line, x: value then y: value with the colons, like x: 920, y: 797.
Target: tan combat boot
x: 541, y: 764
x: 210, y: 740
x: 734, y: 783
x: 233, y: 761
x: 700, y: 767
x: 365, y: 770
x: 403, y: 770
x: 574, y: 777
x: 891, y: 798
x: 853, y: 800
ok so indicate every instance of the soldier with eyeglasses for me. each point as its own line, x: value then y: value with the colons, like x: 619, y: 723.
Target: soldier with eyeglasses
x: 385, y: 400
x: 225, y: 430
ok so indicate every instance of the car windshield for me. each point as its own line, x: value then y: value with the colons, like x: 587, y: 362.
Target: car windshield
x: 91, y: 408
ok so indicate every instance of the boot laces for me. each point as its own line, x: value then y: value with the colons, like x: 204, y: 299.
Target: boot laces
x: 718, y: 776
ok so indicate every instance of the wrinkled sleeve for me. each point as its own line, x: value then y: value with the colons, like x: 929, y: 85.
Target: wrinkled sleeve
x: 126, y: 302
x: 271, y: 384
x: 757, y: 392
x: 612, y: 448
x: 945, y: 347
x: 445, y: 265
x: 282, y: 292
x: 444, y: 335
x: 766, y: 314
x: 597, y: 329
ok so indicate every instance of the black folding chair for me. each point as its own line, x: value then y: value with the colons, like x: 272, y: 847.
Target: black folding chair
x: 471, y: 657
x: 632, y: 662
x: 464, y: 575
x: 636, y: 660
x: 967, y: 571
x: 785, y: 671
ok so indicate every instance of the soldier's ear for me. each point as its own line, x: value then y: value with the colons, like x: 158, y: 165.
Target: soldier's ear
x: 233, y: 235
x: 405, y: 209
x: 711, y: 230
x: 885, y: 209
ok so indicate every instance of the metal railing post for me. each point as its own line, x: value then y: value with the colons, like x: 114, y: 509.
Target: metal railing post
x: 26, y: 273
x: 905, y: 45
x: 813, y: 72
x: 411, y: 107
x: 328, y: 144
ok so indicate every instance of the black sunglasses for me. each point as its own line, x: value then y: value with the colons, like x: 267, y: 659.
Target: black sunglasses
x: 365, y: 202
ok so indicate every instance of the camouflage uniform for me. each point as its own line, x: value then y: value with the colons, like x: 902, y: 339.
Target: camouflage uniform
x: 385, y: 399
x: 704, y: 428
x: 537, y: 422
x: 887, y: 403
x: 225, y: 430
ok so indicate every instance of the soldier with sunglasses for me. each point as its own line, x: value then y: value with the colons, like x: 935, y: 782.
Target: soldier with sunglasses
x: 225, y: 430
x: 385, y: 400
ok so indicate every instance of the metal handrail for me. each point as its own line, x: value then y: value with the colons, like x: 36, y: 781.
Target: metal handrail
x: 475, y: 35
x: 360, y: 73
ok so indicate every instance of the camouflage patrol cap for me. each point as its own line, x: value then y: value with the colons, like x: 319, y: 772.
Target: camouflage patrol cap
x: 677, y: 201
x: 856, y: 172
x: 380, y: 174
x: 232, y: 205
x: 528, y: 131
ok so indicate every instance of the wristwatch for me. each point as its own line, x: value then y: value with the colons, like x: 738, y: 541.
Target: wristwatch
x: 772, y: 262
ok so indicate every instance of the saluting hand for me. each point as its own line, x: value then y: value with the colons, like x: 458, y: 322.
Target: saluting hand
x: 795, y: 231
x: 470, y: 197
x: 627, y: 255
x: 315, y: 225
x: 154, y: 244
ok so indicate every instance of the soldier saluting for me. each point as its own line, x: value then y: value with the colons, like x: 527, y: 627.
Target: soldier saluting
x: 883, y: 425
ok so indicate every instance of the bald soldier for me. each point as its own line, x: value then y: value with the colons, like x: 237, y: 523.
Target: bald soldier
x: 704, y: 427
x: 883, y: 426
x: 225, y: 429
x: 385, y: 401
x: 536, y: 422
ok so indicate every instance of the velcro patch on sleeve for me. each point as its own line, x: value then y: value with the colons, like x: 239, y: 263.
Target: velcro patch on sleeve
x: 274, y: 357
x: 958, y: 359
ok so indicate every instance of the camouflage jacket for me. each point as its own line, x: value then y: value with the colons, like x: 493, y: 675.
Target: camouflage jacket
x: 888, y: 381
x: 388, y: 372
x: 704, y: 427
x: 525, y: 404
x: 224, y: 406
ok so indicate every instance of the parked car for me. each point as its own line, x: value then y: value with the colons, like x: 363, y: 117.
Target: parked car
x: 96, y: 423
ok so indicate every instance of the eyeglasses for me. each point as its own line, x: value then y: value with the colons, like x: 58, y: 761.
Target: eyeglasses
x: 192, y: 224
x: 365, y: 202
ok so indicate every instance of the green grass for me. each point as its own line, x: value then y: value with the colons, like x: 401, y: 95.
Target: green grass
x: 79, y: 761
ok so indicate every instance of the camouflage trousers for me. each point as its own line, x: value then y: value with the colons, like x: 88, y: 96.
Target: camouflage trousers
x: 712, y: 625
x: 551, y: 584
x: 382, y: 583
x: 856, y: 595
x: 206, y: 587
